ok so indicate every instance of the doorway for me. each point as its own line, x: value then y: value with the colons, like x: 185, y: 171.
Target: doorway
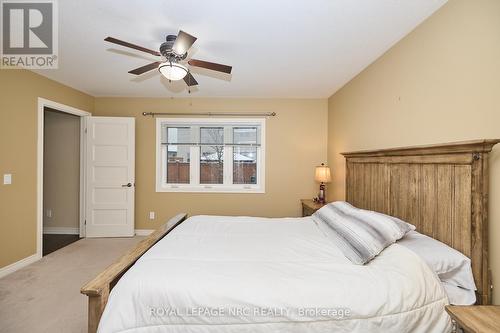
x: 60, y: 203
x: 61, y: 179
x: 106, y: 184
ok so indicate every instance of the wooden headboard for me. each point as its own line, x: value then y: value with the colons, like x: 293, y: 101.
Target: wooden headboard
x: 441, y: 189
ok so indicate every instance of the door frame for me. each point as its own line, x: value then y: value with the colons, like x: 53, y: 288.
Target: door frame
x: 42, y: 104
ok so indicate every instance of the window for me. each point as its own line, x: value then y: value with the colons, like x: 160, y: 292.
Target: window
x: 210, y: 155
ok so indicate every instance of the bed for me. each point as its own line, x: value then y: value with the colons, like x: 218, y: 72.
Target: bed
x: 246, y: 274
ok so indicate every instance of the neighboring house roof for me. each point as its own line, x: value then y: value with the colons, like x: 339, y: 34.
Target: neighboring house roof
x: 237, y: 157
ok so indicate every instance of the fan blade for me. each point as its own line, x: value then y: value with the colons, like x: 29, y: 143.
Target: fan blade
x: 183, y: 42
x: 210, y: 65
x: 132, y: 46
x: 146, y: 68
x: 190, y: 81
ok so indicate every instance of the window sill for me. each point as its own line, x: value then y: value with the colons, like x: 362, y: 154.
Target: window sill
x: 211, y: 189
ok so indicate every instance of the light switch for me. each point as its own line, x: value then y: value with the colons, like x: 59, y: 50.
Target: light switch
x: 151, y: 215
x: 7, y: 179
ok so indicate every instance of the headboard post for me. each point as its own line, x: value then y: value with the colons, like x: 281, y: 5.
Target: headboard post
x: 480, y: 222
x: 441, y: 189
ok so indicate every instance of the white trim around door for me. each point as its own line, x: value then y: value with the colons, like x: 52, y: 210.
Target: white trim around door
x: 42, y: 104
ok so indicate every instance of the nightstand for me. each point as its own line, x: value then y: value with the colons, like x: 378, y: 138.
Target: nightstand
x: 475, y: 318
x: 309, y: 206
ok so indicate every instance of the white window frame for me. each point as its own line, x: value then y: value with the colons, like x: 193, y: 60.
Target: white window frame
x: 194, y: 171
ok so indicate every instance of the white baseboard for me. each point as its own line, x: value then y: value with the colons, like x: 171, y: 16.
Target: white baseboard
x: 18, y: 265
x: 143, y: 232
x: 61, y: 231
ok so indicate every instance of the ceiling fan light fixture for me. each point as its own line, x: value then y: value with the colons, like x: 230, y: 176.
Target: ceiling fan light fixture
x: 172, y: 51
x: 172, y: 71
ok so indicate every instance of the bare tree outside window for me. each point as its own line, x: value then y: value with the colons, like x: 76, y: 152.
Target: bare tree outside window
x: 212, y: 155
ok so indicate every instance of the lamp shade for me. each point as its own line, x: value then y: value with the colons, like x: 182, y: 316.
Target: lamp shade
x: 172, y: 71
x: 322, y: 174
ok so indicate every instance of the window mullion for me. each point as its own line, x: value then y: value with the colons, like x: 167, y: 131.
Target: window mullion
x: 164, y: 165
x: 194, y: 165
x: 228, y: 156
x: 228, y: 166
x: 259, y: 167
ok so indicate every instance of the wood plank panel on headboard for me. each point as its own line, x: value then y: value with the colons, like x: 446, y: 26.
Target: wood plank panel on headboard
x: 441, y: 189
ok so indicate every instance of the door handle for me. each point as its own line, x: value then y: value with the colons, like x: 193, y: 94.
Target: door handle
x: 127, y: 185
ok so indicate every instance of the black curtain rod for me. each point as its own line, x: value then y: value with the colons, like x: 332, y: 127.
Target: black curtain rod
x: 210, y: 114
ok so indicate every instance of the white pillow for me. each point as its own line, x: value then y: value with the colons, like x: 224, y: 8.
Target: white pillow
x: 459, y: 296
x: 451, y: 266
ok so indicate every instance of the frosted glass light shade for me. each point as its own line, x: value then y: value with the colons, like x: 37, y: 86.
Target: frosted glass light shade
x: 173, y: 71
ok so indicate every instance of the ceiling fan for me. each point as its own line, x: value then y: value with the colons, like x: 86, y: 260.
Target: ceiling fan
x: 173, y: 52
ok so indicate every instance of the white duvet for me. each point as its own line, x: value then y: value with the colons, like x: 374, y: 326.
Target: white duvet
x: 247, y: 274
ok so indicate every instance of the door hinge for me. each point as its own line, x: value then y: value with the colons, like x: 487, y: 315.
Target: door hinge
x: 85, y: 131
x: 85, y: 222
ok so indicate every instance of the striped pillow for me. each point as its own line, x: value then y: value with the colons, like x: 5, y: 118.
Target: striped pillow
x: 360, y: 234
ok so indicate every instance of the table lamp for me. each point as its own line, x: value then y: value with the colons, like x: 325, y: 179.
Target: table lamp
x: 322, y: 176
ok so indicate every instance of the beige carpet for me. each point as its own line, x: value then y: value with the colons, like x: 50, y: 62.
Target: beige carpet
x: 45, y: 296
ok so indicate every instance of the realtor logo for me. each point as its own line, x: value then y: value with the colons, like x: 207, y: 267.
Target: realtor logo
x: 29, y: 34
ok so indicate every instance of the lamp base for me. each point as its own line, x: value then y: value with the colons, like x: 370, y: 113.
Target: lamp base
x: 322, y: 193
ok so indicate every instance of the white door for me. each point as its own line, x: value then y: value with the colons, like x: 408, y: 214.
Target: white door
x: 110, y: 177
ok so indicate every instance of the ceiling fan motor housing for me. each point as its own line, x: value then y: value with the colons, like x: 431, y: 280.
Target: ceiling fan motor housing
x: 167, y: 52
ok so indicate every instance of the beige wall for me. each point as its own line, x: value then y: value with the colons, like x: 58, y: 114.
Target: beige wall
x: 19, y: 92
x: 295, y: 144
x: 441, y: 83
x: 61, y: 173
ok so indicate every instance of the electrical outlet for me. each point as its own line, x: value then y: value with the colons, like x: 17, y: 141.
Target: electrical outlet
x: 48, y: 212
x: 151, y: 215
x: 7, y: 179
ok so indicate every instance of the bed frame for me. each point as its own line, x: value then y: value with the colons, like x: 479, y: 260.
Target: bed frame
x: 98, y: 289
x: 441, y: 189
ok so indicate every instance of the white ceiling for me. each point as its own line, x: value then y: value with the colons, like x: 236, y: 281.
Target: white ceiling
x: 278, y: 48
